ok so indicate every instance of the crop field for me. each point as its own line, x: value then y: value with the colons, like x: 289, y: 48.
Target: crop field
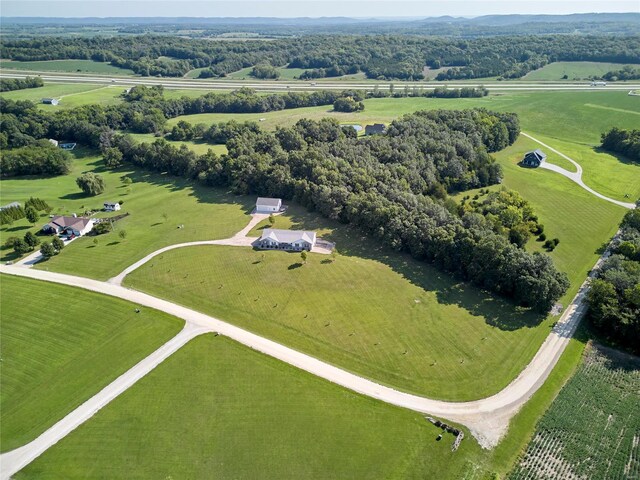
x: 60, y: 346
x: 236, y: 423
x: 69, y: 66
x: 573, y: 70
x: 206, y: 214
x: 592, y: 429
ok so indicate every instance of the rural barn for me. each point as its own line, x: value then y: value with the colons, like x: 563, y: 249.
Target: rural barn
x: 534, y: 158
x: 268, y: 205
x: 69, y: 226
x: 111, y: 206
x: 294, y: 240
x: 50, y: 101
x: 375, y: 129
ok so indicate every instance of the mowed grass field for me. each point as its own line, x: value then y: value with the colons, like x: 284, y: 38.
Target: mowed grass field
x: 216, y: 409
x: 205, y: 213
x: 591, y: 429
x: 67, y: 66
x: 62, y: 345
x: 573, y: 70
x: 197, y: 146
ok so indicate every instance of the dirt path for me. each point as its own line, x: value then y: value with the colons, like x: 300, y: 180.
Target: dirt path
x: 574, y: 176
x: 13, y: 461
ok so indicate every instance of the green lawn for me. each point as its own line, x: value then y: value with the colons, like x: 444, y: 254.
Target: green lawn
x: 69, y: 66
x: 573, y: 70
x: 197, y: 146
x: 62, y: 345
x: 216, y: 409
x: 206, y: 214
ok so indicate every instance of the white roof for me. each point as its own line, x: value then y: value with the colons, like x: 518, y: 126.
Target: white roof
x: 269, y: 202
x: 288, y: 236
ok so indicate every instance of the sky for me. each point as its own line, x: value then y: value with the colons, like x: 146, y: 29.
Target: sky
x: 305, y: 8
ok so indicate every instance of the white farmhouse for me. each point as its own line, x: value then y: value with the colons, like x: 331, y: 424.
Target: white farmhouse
x: 268, y: 205
x: 296, y: 240
x: 111, y: 206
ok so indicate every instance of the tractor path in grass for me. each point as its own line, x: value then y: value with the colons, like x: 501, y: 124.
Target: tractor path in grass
x: 13, y: 461
x: 574, y: 176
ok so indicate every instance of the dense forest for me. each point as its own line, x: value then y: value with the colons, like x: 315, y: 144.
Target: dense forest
x: 378, y: 56
x: 614, y: 298
x: 624, y: 142
x: 9, y: 84
x: 392, y: 187
x: 41, y: 158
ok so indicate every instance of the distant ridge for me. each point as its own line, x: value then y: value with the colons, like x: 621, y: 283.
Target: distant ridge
x: 486, y: 20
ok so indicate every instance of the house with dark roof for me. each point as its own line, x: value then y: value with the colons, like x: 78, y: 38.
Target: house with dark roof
x: 50, y: 101
x: 375, y: 129
x: 69, y: 226
x: 111, y: 206
x: 534, y: 158
x: 291, y: 240
x: 268, y: 205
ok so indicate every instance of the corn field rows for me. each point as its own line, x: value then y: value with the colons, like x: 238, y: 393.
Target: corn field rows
x: 592, y: 429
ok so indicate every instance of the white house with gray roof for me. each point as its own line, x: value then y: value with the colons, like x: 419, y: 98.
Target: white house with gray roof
x: 268, y: 205
x: 295, y: 240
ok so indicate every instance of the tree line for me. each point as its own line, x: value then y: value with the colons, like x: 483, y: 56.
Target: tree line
x: 624, y: 142
x: 614, y: 297
x: 9, y: 84
x: 381, y: 57
x: 393, y: 187
x: 145, y: 110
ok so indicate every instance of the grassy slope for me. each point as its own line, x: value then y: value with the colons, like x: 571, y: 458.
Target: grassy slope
x: 573, y: 70
x: 71, y: 66
x: 205, y: 213
x: 236, y: 423
x: 62, y: 345
x: 406, y: 325
x: 52, y: 90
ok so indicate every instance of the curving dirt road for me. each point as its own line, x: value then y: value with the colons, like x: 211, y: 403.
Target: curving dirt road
x: 574, y: 176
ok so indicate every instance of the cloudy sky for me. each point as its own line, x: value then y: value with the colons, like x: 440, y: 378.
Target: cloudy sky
x: 305, y: 8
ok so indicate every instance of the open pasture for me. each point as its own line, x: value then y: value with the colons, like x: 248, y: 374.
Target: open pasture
x: 60, y: 346
x: 67, y: 66
x: 573, y: 70
x: 236, y: 421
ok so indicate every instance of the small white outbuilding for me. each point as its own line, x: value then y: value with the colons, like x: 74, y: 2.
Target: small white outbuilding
x: 268, y: 205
